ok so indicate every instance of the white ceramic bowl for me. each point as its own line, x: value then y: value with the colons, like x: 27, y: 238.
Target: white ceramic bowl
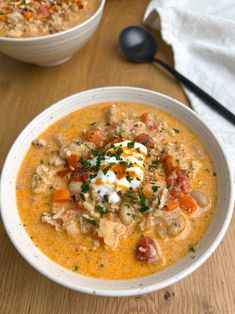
x: 55, y: 49
x: 182, y: 268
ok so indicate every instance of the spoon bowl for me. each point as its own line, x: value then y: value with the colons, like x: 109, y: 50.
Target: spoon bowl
x: 138, y: 44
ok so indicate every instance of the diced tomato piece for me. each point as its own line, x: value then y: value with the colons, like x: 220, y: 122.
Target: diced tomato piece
x: 144, y: 117
x: 80, y: 176
x: 175, y: 192
x: 146, y: 251
x: 95, y: 136
x: 62, y: 173
x: 145, y: 139
x: 43, y: 10
x: 177, y: 178
x: 188, y: 204
x: 60, y: 196
x: 183, y: 181
x: 73, y: 161
x: 79, y: 206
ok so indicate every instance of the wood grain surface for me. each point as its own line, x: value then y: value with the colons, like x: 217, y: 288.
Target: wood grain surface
x: 25, y: 90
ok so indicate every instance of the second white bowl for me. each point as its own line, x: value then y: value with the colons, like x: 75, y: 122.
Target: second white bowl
x: 55, y: 49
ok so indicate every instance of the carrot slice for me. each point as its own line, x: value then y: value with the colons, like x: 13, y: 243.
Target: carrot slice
x: 28, y: 15
x: 2, y: 17
x: 188, y: 204
x: 59, y: 196
x: 171, y: 206
x: 73, y: 161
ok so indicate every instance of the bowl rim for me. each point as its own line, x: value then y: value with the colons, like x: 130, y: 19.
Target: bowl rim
x: 133, y: 290
x: 65, y: 32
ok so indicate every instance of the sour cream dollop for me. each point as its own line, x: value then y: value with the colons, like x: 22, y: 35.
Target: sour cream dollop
x: 121, y: 168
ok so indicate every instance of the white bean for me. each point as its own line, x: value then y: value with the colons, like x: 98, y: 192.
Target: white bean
x: 177, y: 225
x: 201, y: 198
x: 75, y: 187
x: 126, y: 214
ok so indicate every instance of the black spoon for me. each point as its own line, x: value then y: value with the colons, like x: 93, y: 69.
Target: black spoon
x: 139, y: 46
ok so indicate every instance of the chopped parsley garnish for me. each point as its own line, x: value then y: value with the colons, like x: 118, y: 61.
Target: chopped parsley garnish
x: 92, y: 176
x: 155, y: 188
x: 158, y: 201
x: 101, y: 210
x: 138, y: 150
x: 105, y: 170
x: 131, y: 195
x: 91, y: 222
x: 154, y: 163
x: 192, y: 248
x: 129, y: 179
x: 122, y: 163
x: 85, y: 187
x: 106, y: 198
x: 82, y: 196
x: 176, y: 130
x: 131, y: 144
x: 145, y: 143
x: 85, y: 162
x: 143, y: 207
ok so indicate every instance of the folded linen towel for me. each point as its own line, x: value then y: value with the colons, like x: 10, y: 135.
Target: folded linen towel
x: 202, y: 36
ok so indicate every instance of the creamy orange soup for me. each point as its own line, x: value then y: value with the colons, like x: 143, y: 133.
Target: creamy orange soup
x: 31, y: 18
x: 116, y: 191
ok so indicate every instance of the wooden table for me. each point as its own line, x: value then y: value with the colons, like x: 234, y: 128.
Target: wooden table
x: 25, y: 90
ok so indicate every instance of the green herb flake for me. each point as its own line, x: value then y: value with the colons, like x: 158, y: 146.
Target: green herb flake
x: 145, y: 143
x: 154, y: 163
x: 76, y: 267
x: 155, y: 188
x: 192, y: 248
x: 91, y: 222
x: 85, y: 162
x: 131, y: 144
x: 82, y: 196
x: 138, y: 150
x: 106, y: 198
x: 143, y: 207
x: 131, y: 195
x: 176, y: 130
x: 129, y: 179
x: 105, y: 170
x: 101, y: 210
x: 85, y: 187
x: 92, y: 176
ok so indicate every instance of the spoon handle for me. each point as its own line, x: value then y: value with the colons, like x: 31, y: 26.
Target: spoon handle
x: 214, y: 104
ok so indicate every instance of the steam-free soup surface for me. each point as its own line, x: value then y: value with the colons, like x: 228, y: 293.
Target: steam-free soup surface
x: 158, y: 211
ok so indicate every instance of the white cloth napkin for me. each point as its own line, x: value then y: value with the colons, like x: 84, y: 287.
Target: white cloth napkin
x: 202, y: 36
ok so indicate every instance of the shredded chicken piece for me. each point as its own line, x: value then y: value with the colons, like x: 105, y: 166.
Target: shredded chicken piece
x: 56, y: 161
x: 75, y: 148
x: 111, y: 232
x: 42, y: 178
